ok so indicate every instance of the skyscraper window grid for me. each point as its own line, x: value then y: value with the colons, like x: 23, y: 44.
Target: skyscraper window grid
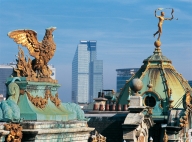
x: 87, y: 73
x: 123, y: 75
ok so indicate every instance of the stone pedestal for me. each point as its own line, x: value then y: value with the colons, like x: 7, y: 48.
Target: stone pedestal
x: 136, y: 124
x: 135, y: 101
x: 39, y: 101
x: 132, y: 126
x: 74, y: 131
x: 173, y: 133
x: 190, y: 135
x: 45, y: 118
x: 3, y: 133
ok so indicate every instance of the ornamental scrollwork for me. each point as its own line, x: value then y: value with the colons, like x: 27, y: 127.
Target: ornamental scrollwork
x: 15, y: 134
x: 41, y: 102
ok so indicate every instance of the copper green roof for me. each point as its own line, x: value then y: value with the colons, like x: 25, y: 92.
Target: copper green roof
x: 157, y: 57
x: 158, y: 71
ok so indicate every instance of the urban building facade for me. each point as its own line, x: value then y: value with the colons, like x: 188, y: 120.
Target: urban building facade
x: 190, y: 82
x: 87, y: 73
x: 123, y: 75
x: 53, y: 69
x: 5, y: 71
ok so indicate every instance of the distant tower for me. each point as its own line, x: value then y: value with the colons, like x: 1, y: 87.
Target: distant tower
x: 190, y: 82
x: 53, y: 69
x: 123, y: 75
x: 87, y: 73
x: 5, y: 72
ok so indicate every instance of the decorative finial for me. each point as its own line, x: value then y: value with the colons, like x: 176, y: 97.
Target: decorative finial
x: 150, y: 111
x: 128, y: 100
x: 129, y: 91
x: 136, y: 85
x: 150, y: 86
x: 165, y: 138
x: 170, y: 100
x: 157, y: 43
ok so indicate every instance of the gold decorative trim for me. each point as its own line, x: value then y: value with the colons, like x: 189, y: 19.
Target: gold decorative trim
x: 41, y: 102
x: 188, y: 99
x: 165, y: 138
x: 15, y: 134
x: 55, y: 99
x: 150, y: 111
x: 160, y: 105
x: 184, y: 119
x: 158, y: 96
x: 97, y: 137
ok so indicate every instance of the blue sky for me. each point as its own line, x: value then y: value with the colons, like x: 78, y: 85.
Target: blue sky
x: 123, y: 29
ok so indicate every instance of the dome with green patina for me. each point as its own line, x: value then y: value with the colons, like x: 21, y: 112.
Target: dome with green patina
x: 163, y: 87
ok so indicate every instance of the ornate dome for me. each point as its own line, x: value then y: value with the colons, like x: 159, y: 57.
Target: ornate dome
x: 163, y: 87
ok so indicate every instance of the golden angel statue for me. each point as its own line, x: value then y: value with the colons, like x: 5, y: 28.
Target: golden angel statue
x: 161, y: 20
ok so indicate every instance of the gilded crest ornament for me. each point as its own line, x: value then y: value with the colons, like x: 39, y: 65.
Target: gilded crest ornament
x: 42, y: 52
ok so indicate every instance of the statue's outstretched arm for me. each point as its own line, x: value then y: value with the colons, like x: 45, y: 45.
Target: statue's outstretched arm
x: 169, y: 18
x: 171, y: 15
x: 156, y: 13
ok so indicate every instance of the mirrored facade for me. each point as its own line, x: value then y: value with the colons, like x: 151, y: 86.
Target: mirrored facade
x: 190, y: 82
x: 87, y: 73
x: 123, y: 75
x: 5, y: 72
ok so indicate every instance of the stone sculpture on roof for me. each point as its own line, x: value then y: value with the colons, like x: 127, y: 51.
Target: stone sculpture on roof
x: 33, y: 99
x: 164, y: 98
x: 161, y: 20
x: 42, y: 52
x: 31, y: 72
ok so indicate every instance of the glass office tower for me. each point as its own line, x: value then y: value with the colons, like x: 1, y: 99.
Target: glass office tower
x: 5, y: 72
x: 53, y: 69
x: 123, y: 75
x: 190, y: 82
x: 87, y: 73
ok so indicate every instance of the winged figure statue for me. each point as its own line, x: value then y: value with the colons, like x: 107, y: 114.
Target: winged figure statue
x: 42, y: 51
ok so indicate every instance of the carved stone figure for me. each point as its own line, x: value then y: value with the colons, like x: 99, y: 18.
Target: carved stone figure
x: 165, y: 138
x: 161, y: 20
x: 15, y: 134
x: 42, y: 52
x: 9, y: 110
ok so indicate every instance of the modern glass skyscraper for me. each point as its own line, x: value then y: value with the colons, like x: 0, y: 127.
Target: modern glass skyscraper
x: 123, y: 75
x: 190, y: 82
x: 5, y: 72
x: 87, y: 73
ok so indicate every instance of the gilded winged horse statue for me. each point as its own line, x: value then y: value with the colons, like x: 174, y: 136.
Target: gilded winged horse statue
x: 42, y: 52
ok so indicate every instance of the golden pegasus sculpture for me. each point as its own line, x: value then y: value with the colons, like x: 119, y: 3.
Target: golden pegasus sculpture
x: 42, y: 52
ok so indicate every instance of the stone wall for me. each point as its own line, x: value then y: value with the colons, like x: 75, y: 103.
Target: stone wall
x: 108, y: 125
x: 53, y: 131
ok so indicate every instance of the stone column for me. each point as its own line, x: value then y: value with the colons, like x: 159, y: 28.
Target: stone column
x: 136, y: 125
